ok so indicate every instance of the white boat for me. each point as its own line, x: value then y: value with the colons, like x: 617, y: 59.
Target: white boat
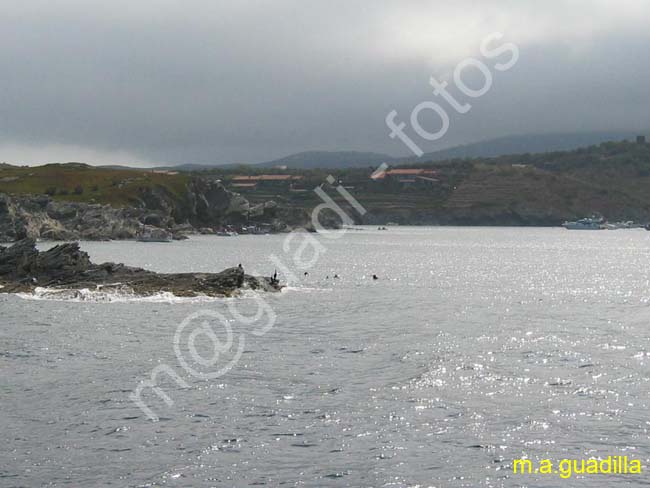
x: 584, y: 224
x: 621, y: 225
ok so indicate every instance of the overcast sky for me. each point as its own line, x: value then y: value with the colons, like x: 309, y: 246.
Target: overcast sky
x: 220, y: 81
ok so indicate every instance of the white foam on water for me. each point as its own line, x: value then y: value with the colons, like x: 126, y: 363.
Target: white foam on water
x: 114, y: 295
x: 303, y: 289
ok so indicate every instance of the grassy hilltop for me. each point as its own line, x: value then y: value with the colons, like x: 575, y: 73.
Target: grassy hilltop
x: 82, y: 183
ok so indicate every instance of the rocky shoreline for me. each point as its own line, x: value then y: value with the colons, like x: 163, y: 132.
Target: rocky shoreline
x: 23, y: 269
x: 202, y: 207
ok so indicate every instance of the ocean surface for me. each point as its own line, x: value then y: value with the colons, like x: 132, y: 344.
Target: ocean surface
x: 475, y: 347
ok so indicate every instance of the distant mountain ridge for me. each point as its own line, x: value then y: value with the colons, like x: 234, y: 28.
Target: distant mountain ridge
x: 501, y: 146
x: 328, y: 159
x: 522, y: 144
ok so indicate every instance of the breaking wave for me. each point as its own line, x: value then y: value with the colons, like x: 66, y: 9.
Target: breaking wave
x: 111, y: 295
x: 115, y: 293
x: 303, y: 289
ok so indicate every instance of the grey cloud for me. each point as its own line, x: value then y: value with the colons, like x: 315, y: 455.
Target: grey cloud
x: 225, y: 81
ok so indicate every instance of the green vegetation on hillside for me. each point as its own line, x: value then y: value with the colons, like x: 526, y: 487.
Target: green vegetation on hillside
x: 83, y: 183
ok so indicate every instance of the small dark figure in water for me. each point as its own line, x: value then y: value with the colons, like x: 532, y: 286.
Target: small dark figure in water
x: 306, y: 274
x: 275, y: 276
x: 336, y: 277
x: 375, y: 277
x: 240, y: 266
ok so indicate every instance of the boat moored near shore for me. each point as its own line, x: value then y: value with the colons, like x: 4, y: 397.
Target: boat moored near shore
x: 589, y: 223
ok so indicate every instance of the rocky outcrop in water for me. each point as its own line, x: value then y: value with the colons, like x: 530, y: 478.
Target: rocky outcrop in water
x: 66, y: 267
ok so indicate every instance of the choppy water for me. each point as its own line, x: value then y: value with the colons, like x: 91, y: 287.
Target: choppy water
x: 475, y: 347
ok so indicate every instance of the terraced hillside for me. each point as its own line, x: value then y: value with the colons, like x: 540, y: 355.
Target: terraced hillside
x: 535, y: 196
x: 611, y: 179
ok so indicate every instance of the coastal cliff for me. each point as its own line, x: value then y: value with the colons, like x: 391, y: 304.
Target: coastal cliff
x: 103, y: 204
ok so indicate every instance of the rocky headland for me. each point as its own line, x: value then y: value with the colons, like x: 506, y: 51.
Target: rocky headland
x: 202, y: 206
x: 23, y: 268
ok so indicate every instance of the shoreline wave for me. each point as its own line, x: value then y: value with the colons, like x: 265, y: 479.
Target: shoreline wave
x: 86, y: 295
x: 125, y: 295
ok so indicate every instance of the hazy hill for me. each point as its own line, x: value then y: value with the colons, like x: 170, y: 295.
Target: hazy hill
x: 516, y: 144
x: 521, y: 144
x: 303, y: 160
x: 328, y: 159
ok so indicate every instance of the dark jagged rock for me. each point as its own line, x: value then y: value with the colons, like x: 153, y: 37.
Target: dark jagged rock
x: 17, y: 261
x: 66, y: 266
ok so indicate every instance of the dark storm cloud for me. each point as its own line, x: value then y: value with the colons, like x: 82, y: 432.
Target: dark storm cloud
x: 225, y: 81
